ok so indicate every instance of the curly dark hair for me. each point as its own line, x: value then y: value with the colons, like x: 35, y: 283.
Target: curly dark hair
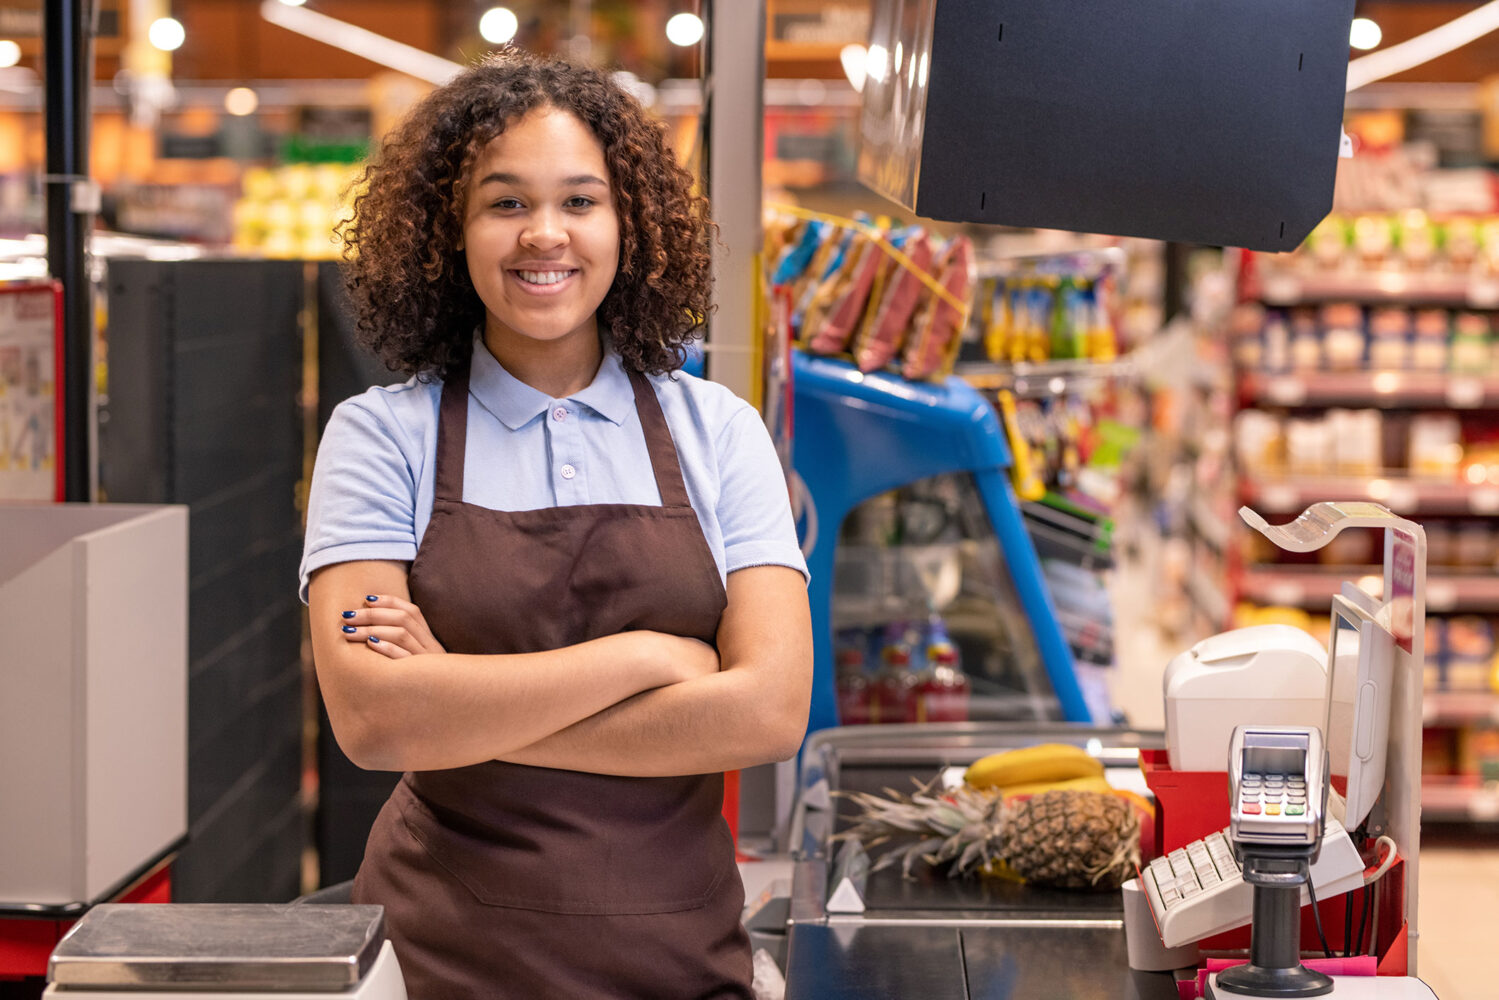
x: 417, y: 308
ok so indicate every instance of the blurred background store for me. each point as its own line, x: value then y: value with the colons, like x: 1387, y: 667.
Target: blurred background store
x: 1146, y: 389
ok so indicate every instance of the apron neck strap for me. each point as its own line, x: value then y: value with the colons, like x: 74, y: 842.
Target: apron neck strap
x: 452, y: 436
x: 658, y: 442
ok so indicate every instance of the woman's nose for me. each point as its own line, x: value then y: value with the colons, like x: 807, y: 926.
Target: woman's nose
x: 544, y: 231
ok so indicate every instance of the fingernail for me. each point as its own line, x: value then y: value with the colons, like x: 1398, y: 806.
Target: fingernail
x: 350, y: 628
x: 371, y: 598
x: 374, y: 639
x: 348, y: 614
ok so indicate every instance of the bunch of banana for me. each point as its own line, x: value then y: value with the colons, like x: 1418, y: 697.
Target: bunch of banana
x: 1041, y: 768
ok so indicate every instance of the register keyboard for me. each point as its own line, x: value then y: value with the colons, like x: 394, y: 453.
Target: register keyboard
x: 1199, y: 890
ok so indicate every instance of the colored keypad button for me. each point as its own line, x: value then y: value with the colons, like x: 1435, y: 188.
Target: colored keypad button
x: 1295, y: 810
x: 1252, y: 808
x: 1273, y: 809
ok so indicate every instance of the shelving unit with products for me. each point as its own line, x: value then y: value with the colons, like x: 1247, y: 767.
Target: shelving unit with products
x: 1367, y: 368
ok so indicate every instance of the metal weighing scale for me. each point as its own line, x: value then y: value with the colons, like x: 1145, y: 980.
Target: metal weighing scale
x: 212, y: 951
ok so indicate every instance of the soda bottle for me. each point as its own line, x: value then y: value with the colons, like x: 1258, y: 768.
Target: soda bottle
x: 942, y: 688
x: 854, y: 693
x: 894, y: 683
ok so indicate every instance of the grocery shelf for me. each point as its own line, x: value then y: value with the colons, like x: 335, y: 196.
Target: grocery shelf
x: 1372, y: 388
x: 1459, y: 799
x: 1313, y: 588
x: 1403, y: 495
x: 1458, y: 708
x: 1472, y: 291
x: 1044, y: 378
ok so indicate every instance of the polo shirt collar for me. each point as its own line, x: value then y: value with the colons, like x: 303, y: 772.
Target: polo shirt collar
x: 516, y: 404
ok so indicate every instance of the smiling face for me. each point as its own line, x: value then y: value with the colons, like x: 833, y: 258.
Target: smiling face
x: 540, y: 233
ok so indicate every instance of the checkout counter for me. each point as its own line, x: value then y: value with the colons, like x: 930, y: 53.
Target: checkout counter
x: 940, y: 938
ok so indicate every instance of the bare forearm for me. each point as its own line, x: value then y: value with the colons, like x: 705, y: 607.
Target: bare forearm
x: 717, y: 723
x: 448, y: 710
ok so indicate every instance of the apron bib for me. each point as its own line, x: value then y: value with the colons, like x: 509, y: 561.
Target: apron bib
x: 502, y: 880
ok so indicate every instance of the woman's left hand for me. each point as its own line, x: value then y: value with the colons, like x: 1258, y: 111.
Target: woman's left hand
x: 390, y: 626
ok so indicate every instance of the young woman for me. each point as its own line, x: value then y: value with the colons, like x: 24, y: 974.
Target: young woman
x: 551, y: 578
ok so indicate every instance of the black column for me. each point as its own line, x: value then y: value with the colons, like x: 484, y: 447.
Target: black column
x: 69, y: 65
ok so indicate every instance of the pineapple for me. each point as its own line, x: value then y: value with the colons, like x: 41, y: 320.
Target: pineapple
x: 1067, y: 838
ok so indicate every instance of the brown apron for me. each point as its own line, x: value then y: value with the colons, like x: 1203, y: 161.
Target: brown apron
x: 500, y: 880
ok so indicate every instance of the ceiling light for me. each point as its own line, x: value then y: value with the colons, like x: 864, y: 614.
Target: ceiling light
x: 1364, y: 34
x: 166, y: 33
x: 498, y: 25
x: 684, y: 29
x: 241, y: 101
x: 294, y: 3
x: 10, y: 53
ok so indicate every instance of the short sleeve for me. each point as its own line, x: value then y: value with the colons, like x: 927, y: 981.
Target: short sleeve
x: 363, y: 497
x: 754, y: 507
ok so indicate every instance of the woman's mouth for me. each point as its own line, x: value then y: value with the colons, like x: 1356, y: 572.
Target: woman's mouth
x: 542, y: 280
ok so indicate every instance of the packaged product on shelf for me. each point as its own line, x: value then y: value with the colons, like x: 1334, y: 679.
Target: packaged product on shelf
x: 1459, y: 236
x: 880, y: 340
x: 1488, y: 243
x: 1351, y: 548
x: 1418, y: 241
x: 1259, y: 442
x: 994, y: 316
x: 1306, y: 341
x: 1440, y: 539
x: 1308, y: 446
x: 941, y: 688
x: 1471, y: 342
x: 1478, y: 752
x: 1436, y: 445
x: 1374, y: 240
x: 894, y: 687
x: 1436, y: 652
x: 852, y: 679
x: 1357, y: 441
x: 1470, y: 653
x: 797, y: 255
x: 819, y: 282
x: 1475, y: 545
x: 1246, y: 338
x: 1328, y: 243
x: 1395, y: 434
x: 1429, y: 349
x: 933, y: 344
x: 1343, y: 339
x: 1438, y: 753
x: 1277, y: 342
x: 830, y: 331
x: 1389, y: 338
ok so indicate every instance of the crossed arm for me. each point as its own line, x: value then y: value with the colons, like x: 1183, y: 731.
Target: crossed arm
x: 638, y: 703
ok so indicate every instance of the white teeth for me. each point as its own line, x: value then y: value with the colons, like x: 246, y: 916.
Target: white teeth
x: 543, y: 277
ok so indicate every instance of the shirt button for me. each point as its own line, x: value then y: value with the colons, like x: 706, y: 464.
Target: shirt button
x: 559, y: 414
x: 568, y: 472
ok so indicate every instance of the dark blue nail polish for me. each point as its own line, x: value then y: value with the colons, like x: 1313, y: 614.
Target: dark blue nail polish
x: 350, y: 628
x: 374, y: 639
x: 348, y: 614
x: 371, y: 598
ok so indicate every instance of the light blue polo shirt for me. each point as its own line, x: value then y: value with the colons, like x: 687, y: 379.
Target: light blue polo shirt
x: 372, y: 487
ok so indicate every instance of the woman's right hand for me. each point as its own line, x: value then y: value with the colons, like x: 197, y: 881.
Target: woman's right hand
x: 686, y: 659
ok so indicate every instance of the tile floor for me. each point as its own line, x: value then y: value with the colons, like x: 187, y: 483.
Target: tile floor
x: 1459, y: 914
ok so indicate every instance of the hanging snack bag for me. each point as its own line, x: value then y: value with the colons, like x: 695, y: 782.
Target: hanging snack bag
x: 834, y: 331
x: 824, y: 275
x: 797, y: 255
x: 934, y: 342
x: 892, y: 315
